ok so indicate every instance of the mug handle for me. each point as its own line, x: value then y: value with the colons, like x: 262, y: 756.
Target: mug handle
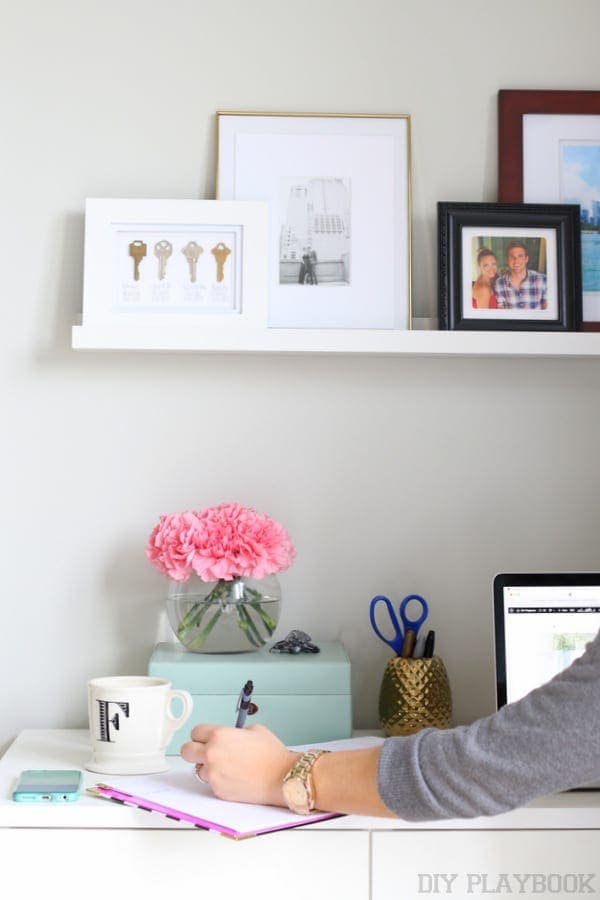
x: 176, y: 722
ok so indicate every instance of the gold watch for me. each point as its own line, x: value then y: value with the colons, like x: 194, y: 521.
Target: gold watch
x: 298, y: 786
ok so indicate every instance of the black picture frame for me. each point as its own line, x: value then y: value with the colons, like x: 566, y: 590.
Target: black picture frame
x: 559, y: 248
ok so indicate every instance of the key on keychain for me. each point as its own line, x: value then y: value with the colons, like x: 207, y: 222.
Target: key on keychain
x: 162, y: 250
x: 192, y: 252
x: 137, y: 250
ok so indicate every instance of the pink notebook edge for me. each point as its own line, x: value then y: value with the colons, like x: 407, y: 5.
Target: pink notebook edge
x: 105, y: 791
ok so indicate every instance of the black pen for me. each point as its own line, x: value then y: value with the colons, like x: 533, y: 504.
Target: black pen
x: 429, y: 645
x: 243, y: 704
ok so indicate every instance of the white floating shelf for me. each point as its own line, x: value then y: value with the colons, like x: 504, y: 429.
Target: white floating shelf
x: 391, y: 343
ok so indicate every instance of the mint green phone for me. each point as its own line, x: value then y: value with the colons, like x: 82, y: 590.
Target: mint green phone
x: 48, y: 785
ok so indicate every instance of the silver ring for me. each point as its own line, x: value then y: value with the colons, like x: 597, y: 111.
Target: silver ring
x: 197, y: 773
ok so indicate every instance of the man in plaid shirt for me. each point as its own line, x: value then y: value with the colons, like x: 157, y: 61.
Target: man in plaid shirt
x: 520, y: 287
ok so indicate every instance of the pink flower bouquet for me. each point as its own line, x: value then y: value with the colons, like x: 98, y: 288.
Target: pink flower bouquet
x: 224, y: 545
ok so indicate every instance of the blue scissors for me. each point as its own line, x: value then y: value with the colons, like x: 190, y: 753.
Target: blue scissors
x: 396, y: 642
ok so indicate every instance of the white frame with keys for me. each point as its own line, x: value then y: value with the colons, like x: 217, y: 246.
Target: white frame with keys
x: 224, y: 308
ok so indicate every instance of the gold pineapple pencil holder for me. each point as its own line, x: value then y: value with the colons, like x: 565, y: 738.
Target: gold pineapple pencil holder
x: 414, y: 694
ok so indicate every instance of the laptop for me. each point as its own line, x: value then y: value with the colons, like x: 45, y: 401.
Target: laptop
x: 542, y: 623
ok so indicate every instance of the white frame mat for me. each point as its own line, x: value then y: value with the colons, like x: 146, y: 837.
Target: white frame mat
x: 353, y: 168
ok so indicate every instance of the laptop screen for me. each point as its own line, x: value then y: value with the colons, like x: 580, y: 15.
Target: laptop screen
x: 542, y: 623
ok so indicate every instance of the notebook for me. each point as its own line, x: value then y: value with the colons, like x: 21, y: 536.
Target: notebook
x: 542, y: 624
x: 178, y: 795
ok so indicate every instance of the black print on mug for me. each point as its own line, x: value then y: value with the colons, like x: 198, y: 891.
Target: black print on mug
x: 105, y: 722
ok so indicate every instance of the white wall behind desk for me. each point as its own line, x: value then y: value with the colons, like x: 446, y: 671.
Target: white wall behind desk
x: 392, y: 475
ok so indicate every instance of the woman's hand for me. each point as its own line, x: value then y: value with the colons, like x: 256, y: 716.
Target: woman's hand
x: 242, y: 764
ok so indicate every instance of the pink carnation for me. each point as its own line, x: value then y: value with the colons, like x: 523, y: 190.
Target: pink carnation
x: 173, y: 544
x: 220, y: 542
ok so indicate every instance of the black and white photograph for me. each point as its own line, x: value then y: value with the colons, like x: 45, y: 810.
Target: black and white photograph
x: 315, y: 231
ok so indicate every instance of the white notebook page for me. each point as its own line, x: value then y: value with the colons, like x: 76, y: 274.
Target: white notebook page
x: 180, y: 790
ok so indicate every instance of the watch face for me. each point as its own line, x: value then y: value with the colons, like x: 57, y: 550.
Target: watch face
x: 296, y: 796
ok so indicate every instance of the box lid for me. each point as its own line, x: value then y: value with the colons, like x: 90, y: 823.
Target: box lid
x: 327, y: 672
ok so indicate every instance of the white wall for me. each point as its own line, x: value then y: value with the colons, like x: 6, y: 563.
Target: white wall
x: 392, y: 475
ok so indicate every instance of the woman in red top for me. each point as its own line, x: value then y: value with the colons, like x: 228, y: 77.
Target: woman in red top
x: 483, y: 288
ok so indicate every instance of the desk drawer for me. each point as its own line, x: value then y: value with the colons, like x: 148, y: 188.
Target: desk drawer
x: 468, y: 864
x: 97, y: 864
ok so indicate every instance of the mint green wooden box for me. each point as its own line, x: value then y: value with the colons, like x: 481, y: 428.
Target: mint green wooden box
x: 302, y: 697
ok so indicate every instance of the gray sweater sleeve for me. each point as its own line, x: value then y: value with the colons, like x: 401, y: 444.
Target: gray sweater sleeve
x: 545, y: 742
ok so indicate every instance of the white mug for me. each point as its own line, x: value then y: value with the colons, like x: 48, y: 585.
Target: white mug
x: 131, y: 723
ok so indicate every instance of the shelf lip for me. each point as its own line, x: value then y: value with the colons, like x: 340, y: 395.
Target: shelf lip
x: 152, y: 338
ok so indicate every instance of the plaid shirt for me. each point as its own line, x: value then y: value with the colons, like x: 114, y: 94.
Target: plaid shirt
x: 531, y: 293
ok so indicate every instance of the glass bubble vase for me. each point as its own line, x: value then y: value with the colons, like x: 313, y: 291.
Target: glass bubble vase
x: 234, y: 616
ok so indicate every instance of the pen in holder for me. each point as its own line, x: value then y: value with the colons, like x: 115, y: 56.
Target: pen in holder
x: 414, y: 694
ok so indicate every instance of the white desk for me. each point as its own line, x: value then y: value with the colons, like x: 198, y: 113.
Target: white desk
x: 97, y: 849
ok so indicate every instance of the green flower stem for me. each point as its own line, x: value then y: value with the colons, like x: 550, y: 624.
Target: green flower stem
x: 221, y: 597
x: 193, y: 618
x: 269, y: 623
x: 247, y: 625
x: 197, y: 642
x: 188, y: 619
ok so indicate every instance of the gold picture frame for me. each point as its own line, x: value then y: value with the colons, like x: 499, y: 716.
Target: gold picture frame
x: 338, y: 187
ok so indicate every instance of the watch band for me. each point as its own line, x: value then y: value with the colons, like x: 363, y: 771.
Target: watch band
x: 297, y: 784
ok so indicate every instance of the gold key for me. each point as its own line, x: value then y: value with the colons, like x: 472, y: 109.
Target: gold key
x: 162, y: 250
x: 137, y: 250
x: 220, y: 252
x: 192, y: 252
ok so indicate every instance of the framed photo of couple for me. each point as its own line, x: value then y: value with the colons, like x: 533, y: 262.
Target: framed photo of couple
x: 509, y: 267
x: 549, y: 152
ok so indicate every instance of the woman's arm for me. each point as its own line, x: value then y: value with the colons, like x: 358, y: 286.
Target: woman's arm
x: 249, y: 764
x: 547, y: 741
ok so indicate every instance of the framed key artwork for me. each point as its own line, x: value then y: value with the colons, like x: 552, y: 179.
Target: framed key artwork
x: 178, y: 273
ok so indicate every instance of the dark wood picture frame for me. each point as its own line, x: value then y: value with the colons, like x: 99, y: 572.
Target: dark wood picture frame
x: 513, y: 105
x: 562, y: 218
